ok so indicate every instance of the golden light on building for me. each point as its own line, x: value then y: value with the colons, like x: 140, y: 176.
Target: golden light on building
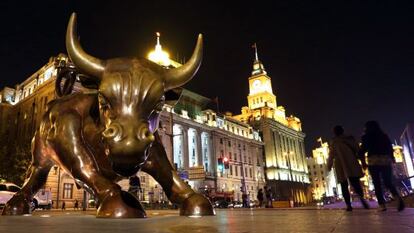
x: 286, y: 168
x: 158, y: 55
x: 262, y: 101
x: 323, y: 182
x: 398, y: 155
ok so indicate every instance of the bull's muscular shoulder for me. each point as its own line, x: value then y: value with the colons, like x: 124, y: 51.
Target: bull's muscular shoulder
x: 75, y: 108
x: 78, y: 102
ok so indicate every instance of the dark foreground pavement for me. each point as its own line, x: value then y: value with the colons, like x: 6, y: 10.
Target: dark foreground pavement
x: 233, y: 221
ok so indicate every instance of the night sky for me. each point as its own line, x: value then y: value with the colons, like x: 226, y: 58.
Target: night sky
x: 330, y: 63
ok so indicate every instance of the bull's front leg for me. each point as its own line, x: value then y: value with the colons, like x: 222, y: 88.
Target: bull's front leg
x: 177, y: 191
x: 38, y: 171
x: 67, y: 139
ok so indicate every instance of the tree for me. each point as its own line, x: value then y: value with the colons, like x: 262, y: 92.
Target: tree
x: 14, y: 162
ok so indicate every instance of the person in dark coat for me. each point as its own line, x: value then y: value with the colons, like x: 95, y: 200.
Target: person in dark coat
x: 343, y: 156
x: 260, y: 197
x: 76, y: 205
x: 269, y: 196
x: 380, y: 156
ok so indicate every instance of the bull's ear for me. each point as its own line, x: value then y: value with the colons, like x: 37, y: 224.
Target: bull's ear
x: 172, y: 96
x: 89, y: 82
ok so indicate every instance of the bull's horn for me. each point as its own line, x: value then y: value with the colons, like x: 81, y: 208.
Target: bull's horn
x: 86, y: 63
x: 179, y: 76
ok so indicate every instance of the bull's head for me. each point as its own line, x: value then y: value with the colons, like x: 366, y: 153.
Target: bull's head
x: 131, y: 94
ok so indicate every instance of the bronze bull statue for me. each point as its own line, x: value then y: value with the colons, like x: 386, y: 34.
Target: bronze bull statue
x: 104, y: 136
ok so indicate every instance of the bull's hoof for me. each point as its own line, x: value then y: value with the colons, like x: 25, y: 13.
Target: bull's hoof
x: 197, y: 205
x: 120, y: 205
x: 17, y: 205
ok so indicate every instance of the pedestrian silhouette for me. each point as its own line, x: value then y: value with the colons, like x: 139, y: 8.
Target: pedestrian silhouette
x: 380, y: 156
x: 269, y: 196
x: 63, y: 205
x: 260, y: 197
x: 343, y: 156
x: 76, y: 205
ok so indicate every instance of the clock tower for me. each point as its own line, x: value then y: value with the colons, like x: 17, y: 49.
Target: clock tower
x: 284, y: 150
x: 260, y: 86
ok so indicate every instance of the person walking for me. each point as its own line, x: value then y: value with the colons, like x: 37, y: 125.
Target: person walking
x: 380, y: 156
x: 76, y: 205
x: 260, y: 197
x: 63, y: 205
x: 343, y: 156
x: 269, y: 197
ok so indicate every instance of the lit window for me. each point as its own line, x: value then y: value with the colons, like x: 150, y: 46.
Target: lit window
x: 67, y: 191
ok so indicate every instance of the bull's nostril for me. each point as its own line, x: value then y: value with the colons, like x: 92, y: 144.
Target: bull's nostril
x: 145, y: 134
x: 111, y: 132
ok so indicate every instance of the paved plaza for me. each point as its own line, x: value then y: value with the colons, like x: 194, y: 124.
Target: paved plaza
x: 228, y: 220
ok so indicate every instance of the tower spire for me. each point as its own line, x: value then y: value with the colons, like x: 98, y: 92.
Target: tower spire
x: 158, y: 55
x: 258, y: 67
x: 255, y: 51
x: 158, y: 45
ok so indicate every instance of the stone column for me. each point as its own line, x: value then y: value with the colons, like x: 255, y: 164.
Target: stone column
x: 212, y: 154
x: 173, y: 145
x: 186, y: 157
x: 277, y: 151
x: 300, y: 158
x: 303, y: 156
x: 199, y: 153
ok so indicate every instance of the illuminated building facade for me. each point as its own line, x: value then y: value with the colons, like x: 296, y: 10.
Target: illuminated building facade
x: 200, y: 138
x: 21, y: 110
x: 196, y: 138
x: 323, y: 181
x: 400, y: 163
x: 407, y: 144
x: 286, y: 168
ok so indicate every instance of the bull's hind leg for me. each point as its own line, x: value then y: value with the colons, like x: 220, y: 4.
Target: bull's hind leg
x: 39, y: 170
x: 177, y: 191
